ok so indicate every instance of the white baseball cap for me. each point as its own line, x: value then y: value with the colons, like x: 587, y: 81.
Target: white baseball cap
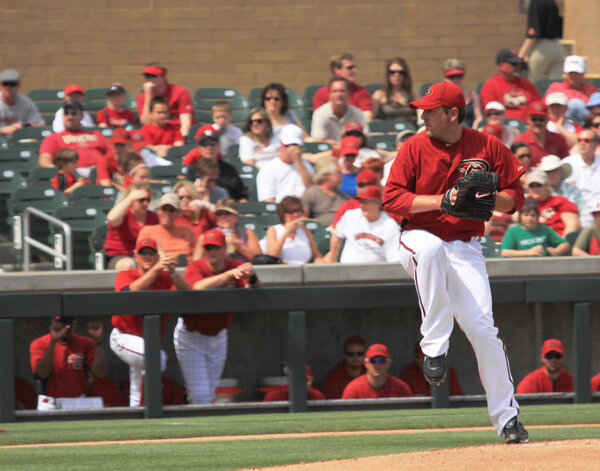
x: 291, y: 134
x: 552, y: 162
x: 495, y: 105
x: 535, y: 176
x: 574, y: 64
x: 556, y: 98
x: 596, y: 207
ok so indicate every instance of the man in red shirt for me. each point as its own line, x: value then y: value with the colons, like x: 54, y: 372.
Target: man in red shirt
x: 506, y: 87
x: 351, y: 367
x: 90, y: 145
x: 551, y: 377
x: 282, y: 393
x: 540, y: 141
x: 376, y: 383
x: 181, y: 109
x: 153, y: 272
x: 201, y: 340
x: 343, y: 65
x: 110, y: 170
x: 161, y: 134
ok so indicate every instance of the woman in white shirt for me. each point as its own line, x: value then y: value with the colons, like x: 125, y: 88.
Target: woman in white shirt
x: 258, y: 145
x: 275, y: 101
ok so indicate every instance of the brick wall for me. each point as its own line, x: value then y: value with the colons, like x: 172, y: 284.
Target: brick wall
x: 581, y: 25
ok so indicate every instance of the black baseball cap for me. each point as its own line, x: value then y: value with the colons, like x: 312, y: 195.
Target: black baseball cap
x: 508, y: 55
x: 73, y: 104
x: 115, y: 89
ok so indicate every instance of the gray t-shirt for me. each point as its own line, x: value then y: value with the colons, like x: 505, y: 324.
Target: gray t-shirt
x: 326, y: 125
x: 322, y: 206
x: 23, y: 111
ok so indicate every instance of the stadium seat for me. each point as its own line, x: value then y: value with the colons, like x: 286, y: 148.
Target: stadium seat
x: 516, y: 123
x: 159, y: 189
x: 316, y: 147
x: 308, y: 95
x: 373, y: 87
x: 97, y: 196
x: 172, y: 173
x: 489, y: 247
x: 571, y: 237
x: 259, y: 223
x: 478, y: 87
x: 28, y: 138
x: 389, y: 127
x: 317, y: 229
x: 176, y: 153
x: 20, y: 160
x: 257, y: 207
x: 543, y: 84
x: 202, y: 96
x: 41, y: 176
x: 46, y: 94
x: 10, y: 181
x: 383, y: 142
x: 248, y: 175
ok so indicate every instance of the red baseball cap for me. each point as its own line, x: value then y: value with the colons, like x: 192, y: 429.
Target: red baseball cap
x: 350, y: 145
x: 553, y: 345
x: 367, y: 176
x: 353, y: 126
x: 154, y: 70
x: 369, y: 192
x: 492, y: 129
x: 213, y: 237
x: 143, y: 243
x: 440, y: 94
x: 120, y: 136
x: 73, y: 88
x: 537, y: 107
x: 451, y: 72
x: 377, y: 350
x: 207, y: 132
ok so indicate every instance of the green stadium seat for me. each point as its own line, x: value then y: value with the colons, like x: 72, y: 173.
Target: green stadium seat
x: 489, y: 247
x: 41, y: 176
x: 516, y: 123
x: 46, y: 94
x: 10, y: 181
x: 21, y: 160
x: 543, y: 84
x: 210, y: 95
x: 159, y: 189
x: 316, y: 147
x: 49, y: 107
x: 248, y: 173
x: 389, y: 127
x: 176, y: 153
x: 96, y: 246
x: 373, y: 87
x: 383, y: 142
x: 308, y: 95
x: 97, y: 196
x: 478, y: 87
x: 259, y: 223
x: 257, y: 207
x: 171, y: 173
x: 28, y: 138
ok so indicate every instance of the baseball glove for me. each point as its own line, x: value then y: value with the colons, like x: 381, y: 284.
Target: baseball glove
x: 475, y: 196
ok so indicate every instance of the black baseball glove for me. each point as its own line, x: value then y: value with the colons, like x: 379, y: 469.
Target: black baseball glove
x: 475, y: 196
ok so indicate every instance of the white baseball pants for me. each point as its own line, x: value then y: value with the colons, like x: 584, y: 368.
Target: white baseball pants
x: 452, y: 283
x: 201, y: 359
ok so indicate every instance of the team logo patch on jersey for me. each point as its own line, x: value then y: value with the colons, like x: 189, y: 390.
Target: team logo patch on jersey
x: 473, y: 165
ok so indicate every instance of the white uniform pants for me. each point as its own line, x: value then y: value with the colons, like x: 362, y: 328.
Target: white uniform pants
x: 201, y: 359
x: 452, y: 283
x: 130, y: 349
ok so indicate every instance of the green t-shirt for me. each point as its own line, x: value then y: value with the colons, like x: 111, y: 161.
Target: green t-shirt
x: 519, y: 238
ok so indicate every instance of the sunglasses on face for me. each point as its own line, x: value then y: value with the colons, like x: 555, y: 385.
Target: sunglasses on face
x: 293, y: 211
x: 595, y: 125
x: 493, y: 113
x: 149, y: 76
x: 209, y: 143
x: 396, y: 72
x: 185, y: 197
x: 10, y: 84
x: 538, y: 119
x: 535, y: 185
x: 257, y: 121
x: 354, y: 354
x: 223, y: 213
x: 71, y: 113
x: 210, y: 247
x: 167, y: 209
x: 144, y: 200
x: 145, y: 252
x: 354, y: 133
x: 456, y: 76
x: 587, y: 140
x: 551, y: 355
x: 377, y: 360
x: 272, y: 98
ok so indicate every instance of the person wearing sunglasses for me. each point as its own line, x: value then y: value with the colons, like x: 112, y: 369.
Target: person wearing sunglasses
x: 72, y: 92
x: 350, y: 368
x: 391, y: 101
x: 376, y: 383
x: 454, y: 72
x: 259, y: 144
x: 181, y: 109
x: 552, y: 376
x: 193, y: 211
x: 275, y: 100
x: 495, y: 113
x: 16, y: 110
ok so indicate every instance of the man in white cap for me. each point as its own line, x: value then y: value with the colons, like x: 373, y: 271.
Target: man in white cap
x: 287, y: 174
x: 557, y: 170
x: 495, y: 113
x: 557, y: 118
x: 16, y: 110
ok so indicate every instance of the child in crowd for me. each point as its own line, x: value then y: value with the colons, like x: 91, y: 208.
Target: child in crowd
x: 228, y: 135
x: 66, y: 179
x: 160, y: 135
x: 115, y: 115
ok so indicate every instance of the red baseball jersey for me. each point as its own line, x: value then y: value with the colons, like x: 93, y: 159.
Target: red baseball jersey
x: 359, y: 97
x: 413, y: 376
x: 134, y: 325
x: 282, y: 393
x: 551, y: 210
x: 70, y: 363
x: 121, y: 240
x: 167, y: 135
x: 361, y: 389
x: 179, y: 102
x: 555, y: 144
x: 515, y: 95
x: 336, y: 380
x: 115, y: 119
x: 62, y: 180
x: 107, y: 167
x: 90, y: 145
x: 538, y: 382
x: 425, y: 166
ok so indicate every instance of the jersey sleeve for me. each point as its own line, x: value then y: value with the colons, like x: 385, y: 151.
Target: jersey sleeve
x: 123, y: 280
x: 36, y: 352
x: 140, y: 103
x: 32, y: 115
x: 509, y: 171
x: 102, y: 116
x: 534, y: 19
x: 184, y: 102
x: 190, y: 157
x: 527, y: 385
x: 49, y: 145
x: 398, y: 195
x: 567, y: 206
x: 102, y: 171
x: 193, y: 273
x: 487, y: 94
x: 246, y: 150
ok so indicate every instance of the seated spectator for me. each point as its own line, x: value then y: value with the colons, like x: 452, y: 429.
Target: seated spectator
x: 371, y: 235
x: 287, y: 174
x: 64, y: 363
x: 364, y: 178
x: 593, y: 105
x: 557, y: 171
x: 208, y: 148
x: 160, y: 134
x: 523, y: 155
x: 201, y: 340
x: 153, y: 272
x: 90, y: 145
x: 72, y: 92
x: 343, y: 66
x: 115, y: 115
x: 349, y: 149
x: 557, y: 118
x: 556, y: 211
x: 351, y: 367
x: 454, y: 72
x: 66, y: 179
x: 259, y: 145
x: 16, y: 110
x: 508, y: 88
x: 377, y: 166
x: 540, y: 141
x: 596, y: 383
x: 323, y: 198
x: 206, y: 177
x: 110, y: 170
x: 551, y: 377
x: 593, y: 123
x: 282, y: 393
x: 530, y: 239
x: 412, y: 374
x: 228, y: 134
x: 495, y: 113
x: 274, y: 100
x: 376, y: 382
x: 391, y: 101
x: 125, y: 220
x: 329, y: 120
x: 192, y: 212
x: 588, y: 240
x: 291, y: 240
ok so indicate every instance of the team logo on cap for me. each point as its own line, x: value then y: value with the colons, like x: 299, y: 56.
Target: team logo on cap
x: 473, y: 165
x: 428, y: 92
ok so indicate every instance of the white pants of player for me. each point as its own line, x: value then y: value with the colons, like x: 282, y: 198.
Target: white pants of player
x: 201, y: 359
x: 130, y: 349
x: 452, y: 283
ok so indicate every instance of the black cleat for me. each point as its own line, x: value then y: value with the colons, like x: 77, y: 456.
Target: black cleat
x: 515, y: 432
x: 434, y: 369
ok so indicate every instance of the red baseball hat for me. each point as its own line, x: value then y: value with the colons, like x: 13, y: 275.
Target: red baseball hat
x: 120, y: 136
x: 207, y: 132
x: 492, y: 129
x: 213, y: 237
x: 367, y: 176
x: 377, y: 350
x: 537, y: 107
x: 154, y: 70
x: 350, y: 145
x: 353, y: 126
x: 369, y: 192
x: 143, y: 243
x: 73, y: 88
x: 553, y: 345
x: 440, y: 94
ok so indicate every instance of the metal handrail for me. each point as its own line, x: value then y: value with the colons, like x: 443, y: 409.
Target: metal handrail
x: 28, y: 241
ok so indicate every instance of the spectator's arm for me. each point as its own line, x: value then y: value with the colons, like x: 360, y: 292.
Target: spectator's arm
x: 296, y: 153
x: 185, y: 120
x: 252, y: 246
x: 95, y: 330
x: 527, y: 45
x: 560, y: 249
x: 145, y: 114
x: 45, y: 160
x: 219, y: 280
x: 116, y: 215
x: 178, y: 280
x: 46, y: 364
x: 335, y: 246
x: 571, y: 221
x: 9, y: 129
x: 577, y: 252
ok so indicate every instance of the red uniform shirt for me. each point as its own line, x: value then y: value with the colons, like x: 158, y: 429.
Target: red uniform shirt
x: 115, y: 119
x: 413, y: 376
x: 359, y: 97
x: 107, y: 167
x: 62, y: 180
x: 361, y: 389
x: 336, y: 380
x: 167, y: 135
x: 179, y: 102
x: 515, y: 95
x: 342, y: 208
x: 70, y: 363
x: 551, y: 210
x: 282, y: 393
x: 90, y: 145
x: 121, y: 240
x: 134, y: 325
x: 210, y: 324
x: 596, y: 383
x: 555, y: 144
x: 583, y: 93
x: 538, y: 382
x: 425, y: 166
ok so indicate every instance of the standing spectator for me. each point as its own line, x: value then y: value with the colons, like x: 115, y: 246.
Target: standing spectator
x: 350, y: 368
x: 201, y: 340
x: 90, y: 145
x: 508, y: 88
x: 287, y: 174
x: 349, y: 149
x: 258, y: 145
x: 274, y: 99
x: 343, y: 66
x: 323, y: 198
x: 551, y: 377
x: 376, y: 382
x: 160, y: 134
x: 282, y: 393
x: 541, y: 48
x: 228, y: 135
x: 72, y: 92
x: 115, y: 115
x: 557, y: 122
x: 153, y: 272
x: 540, y: 141
x: 110, y: 170
x: 181, y: 109
x: 495, y: 113
x: 588, y: 240
x: 391, y: 101
x: 557, y: 171
x: 16, y: 110
x: 66, y: 179
x: 329, y: 120
x: 192, y: 212
x: 454, y: 72
x: 206, y: 179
